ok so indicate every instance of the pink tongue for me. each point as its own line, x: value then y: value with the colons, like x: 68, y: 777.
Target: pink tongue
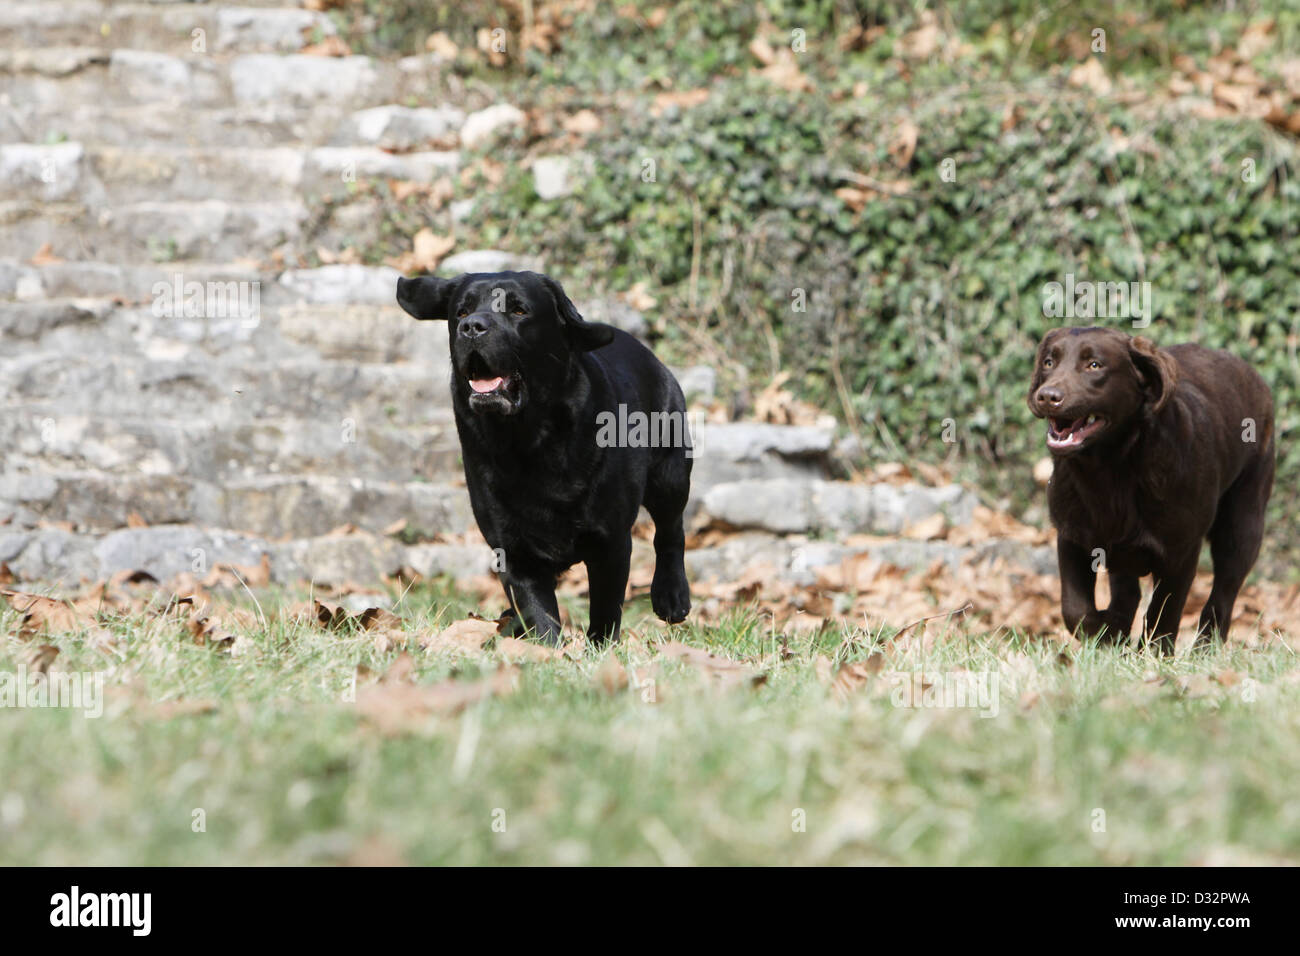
x: 485, y: 384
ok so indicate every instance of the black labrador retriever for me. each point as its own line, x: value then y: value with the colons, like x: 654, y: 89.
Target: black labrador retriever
x: 1155, y: 450
x: 567, y: 428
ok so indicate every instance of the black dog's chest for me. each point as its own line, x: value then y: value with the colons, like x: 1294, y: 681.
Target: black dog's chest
x: 530, y: 513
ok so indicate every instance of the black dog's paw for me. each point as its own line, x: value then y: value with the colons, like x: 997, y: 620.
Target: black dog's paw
x: 670, y: 596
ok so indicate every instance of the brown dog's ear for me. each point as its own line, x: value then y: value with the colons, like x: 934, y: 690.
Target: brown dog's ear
x: 1158, y: 370
x: 584, y: 336
x: 1036, y: 379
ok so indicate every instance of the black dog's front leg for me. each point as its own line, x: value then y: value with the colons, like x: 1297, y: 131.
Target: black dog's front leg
x: 532, y: 597
x: 607, y: 585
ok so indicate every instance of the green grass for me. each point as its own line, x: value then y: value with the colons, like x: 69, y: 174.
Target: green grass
x: 1187, y: 765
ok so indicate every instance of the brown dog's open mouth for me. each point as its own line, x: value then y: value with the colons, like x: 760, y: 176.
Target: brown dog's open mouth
x: 1065, y: 433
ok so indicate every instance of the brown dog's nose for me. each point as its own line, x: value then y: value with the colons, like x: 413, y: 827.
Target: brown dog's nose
x: 1050, y: 396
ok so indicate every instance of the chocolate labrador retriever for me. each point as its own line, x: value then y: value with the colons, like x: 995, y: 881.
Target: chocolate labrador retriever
x: 1155, y: 450
x: 547, y: 407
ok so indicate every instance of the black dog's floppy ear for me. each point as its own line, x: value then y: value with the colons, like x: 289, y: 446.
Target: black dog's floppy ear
x: 583, y: 335
x: 426, y: 297
x: 1158, y: 369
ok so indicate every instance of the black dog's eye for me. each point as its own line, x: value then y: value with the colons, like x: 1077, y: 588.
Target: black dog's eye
x: 518, y: 310
x: 462, y: 313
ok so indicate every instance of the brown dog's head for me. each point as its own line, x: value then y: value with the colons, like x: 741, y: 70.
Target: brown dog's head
x: 1091, y: 383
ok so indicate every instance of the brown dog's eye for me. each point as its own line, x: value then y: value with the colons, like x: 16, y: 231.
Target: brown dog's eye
x: 1047, y: 363
x: 1094, y: 365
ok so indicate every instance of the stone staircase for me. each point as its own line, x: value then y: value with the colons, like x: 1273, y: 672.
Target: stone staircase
x: 148, y: 150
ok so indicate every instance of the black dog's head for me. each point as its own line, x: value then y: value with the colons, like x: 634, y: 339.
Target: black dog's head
x: 1090, y: 384
x: 513, y: 334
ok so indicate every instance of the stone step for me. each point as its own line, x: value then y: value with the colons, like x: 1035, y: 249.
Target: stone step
x: 48, y: 78
x: 800, y: 505
x: 51, y: 555
x: 105, y: 177
x: 152, y: 231
x: 169, y: 28
x: 226, y: 324
x: 316, y: 389
x: 136, y: 282
x: 48, y: 439
x: 272, y: 506
x: 165, y: 124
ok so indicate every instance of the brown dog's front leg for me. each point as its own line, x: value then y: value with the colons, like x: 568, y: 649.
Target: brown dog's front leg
x: 1078, y: 589
x: 1168, y: 597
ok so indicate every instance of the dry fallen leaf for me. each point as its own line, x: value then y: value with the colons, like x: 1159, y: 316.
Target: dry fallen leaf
x: 611, y: 676
x: 724, y: 671
x: 515, y: 649
x: 43, y: 614
x: 582, y: 122
x: 442, y: 45
x: 467, y: 635
x: 395, y: 706
x: 1091, y: 74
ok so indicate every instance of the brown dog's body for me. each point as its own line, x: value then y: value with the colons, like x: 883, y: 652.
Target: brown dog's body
x: 1155, y: 450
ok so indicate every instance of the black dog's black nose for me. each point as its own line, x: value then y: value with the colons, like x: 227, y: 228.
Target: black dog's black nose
x: 1050, y: 396
x: 472, y: 326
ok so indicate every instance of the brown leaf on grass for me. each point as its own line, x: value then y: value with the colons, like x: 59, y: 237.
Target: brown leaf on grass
x: 43, y: 614
x: 39, y: 658
x: 209, y: 631
x: 225, y: 575
x: 336, y: 616
x: 515, y: 649
x: 394, y: 705
x: 469, y: 634
x: 847, y: 678
x: 723, y: 671
x: 611, y: 676
x: 1256, y: 38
